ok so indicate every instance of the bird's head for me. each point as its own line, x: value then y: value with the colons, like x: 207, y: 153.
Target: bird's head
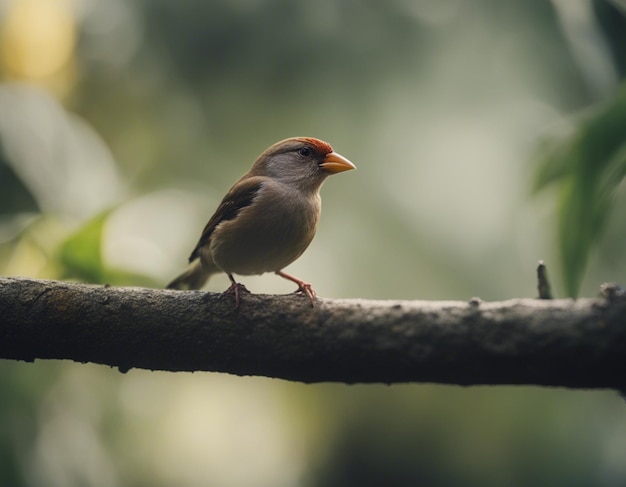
x: 302, y: 161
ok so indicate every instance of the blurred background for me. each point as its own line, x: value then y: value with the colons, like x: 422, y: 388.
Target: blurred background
x: 488, y: 134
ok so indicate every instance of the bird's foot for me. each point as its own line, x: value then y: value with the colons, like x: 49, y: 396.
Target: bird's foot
x: 237, y: 289
x: 303, y: 287
x: 308, y: 290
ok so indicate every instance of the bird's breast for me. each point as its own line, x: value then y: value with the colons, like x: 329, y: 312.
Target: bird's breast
x: 267, y: 235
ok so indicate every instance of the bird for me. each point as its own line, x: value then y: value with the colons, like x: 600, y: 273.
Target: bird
x: 268, y: 217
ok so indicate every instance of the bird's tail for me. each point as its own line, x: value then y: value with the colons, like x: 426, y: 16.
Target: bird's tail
x: 193, y: 278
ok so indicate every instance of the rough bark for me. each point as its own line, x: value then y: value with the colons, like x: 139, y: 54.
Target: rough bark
x: 578, y: 344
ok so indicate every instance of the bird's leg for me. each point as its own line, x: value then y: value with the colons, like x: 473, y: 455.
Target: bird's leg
x: 236, y: 288
x: 303, y: 287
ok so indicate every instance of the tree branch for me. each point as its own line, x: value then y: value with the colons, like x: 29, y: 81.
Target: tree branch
x: 579, y: 344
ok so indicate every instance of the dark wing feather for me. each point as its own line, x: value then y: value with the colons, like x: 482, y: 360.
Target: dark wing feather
x: 240, y: 195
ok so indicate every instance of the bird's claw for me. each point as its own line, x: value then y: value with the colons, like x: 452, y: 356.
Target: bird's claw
x: 303, y: 287
x: 306, y: 288
x: 236, y: 289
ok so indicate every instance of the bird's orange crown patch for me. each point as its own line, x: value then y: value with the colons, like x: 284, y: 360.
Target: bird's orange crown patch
x: 319, y: 145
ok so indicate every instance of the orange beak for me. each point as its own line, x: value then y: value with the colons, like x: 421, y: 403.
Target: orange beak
x: 334, y: 163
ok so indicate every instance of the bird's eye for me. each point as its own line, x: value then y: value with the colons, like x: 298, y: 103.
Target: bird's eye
x: 305, y: 151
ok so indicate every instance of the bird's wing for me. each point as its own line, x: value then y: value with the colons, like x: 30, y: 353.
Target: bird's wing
x: 239, y: 196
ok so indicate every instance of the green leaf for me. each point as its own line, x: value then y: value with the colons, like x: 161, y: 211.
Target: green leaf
x: 587, y: 165
x: 80, y: 256
x: 81, y: 253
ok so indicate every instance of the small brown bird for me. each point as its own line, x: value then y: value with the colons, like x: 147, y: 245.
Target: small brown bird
x: 268, y: 218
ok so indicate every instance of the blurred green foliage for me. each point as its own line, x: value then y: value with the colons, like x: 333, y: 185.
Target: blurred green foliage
x: 587, y: 165
x: 15, y: 196
x: 81, y: 252
x: 80, y: 257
